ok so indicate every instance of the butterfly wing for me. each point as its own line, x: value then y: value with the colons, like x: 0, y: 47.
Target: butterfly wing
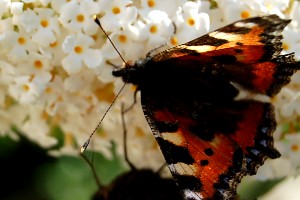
x: 210, y: 146
x: 209, y: 139
x: 246, y: 52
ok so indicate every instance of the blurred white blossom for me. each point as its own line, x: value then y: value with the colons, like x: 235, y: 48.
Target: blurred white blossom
x: 55, y: 71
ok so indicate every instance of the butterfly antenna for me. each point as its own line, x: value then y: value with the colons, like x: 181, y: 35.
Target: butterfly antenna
x: 133, y: 168
x: 99, y: 24
x: 86, y: 144
x: 159, y: 170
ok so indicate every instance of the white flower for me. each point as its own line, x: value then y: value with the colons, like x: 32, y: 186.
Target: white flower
x: 236, y: 10
x: 7, y: 73
x: 37, y: 67
x: 53, y: 97
x: 190, y: 24
x: 29, y: 20
x: 4, y: 6
x: 12, y: 115
x: 23, y: 90
x: 291, y: 148
x: 283, y: 99
x: 45, y: 2
x: 16, y: 10
x: 84, y: 126
x: 295, y: 14
x: 128, y: 48
x: 58, y: 4
x: 158, y: 28
x: 277, y: 7
x: 17, y: 45
x: 29, y: 1
x: 77, y: 16
x: 54, y: 52
x: 292, y: 107
x: 291, y: 42
x: 168, y: 6
x: 36, y: 128
x: 287, y: 189
x: 78, y: 49
x: 272, y: 169
x: 117, y: 14
x: 48, y: 29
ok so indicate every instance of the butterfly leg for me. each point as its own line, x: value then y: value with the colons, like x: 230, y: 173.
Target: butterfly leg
x: 134, y: 102
x: 150, y: 53
x: 133, y: 168
x: 161, y: 168
x: 113, y: 65
x: 90, y: 163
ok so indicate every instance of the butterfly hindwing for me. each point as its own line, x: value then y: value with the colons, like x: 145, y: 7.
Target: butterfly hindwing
x: 197, y: 165
x: 205, y: 161
x: 254, y: 133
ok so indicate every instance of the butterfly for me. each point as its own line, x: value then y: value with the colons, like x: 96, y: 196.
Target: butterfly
x: 209, y: 138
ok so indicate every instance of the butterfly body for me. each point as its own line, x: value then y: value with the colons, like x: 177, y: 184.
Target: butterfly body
x: 210, y: 139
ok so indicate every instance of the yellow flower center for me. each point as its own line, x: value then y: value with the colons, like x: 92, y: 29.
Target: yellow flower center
x: 48, y: 90
x: 245, y: 14
x: 21, y: 40
x: 60, y: 98
x: 174, y: 41
x: 80, y: 18
x: 53, y: 44
x: 285, y: 46
x: 116, y: 10
x: 38, y: 64
x: 26, y: 87
x: 45, y: 115
x: 295, y: 147
x: 105, y: 93
x: 68, y: 139
x: 122, y: 38
x: 153, y: 29
x: 95, y: 37
x: 151, y: 3
x: 44, y: 23
x: 190, y: 21
x: 78, y: 49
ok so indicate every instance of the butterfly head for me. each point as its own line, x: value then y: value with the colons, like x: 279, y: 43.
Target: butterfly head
x: 131, y: 72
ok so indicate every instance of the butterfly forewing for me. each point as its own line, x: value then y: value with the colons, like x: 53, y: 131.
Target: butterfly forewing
x: 245, y: 52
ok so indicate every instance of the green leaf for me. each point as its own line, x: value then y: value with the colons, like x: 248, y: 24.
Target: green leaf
x: 251, y: 190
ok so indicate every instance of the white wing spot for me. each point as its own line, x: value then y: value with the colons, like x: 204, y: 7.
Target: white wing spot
x: 191, y: 195
x: 174, y: 138
x: 185, y: 169
x: 231, y: 37
x: 243, y: 24
x: 201, y: 49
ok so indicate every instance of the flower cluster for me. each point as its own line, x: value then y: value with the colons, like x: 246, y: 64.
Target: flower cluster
x: 54, y: 69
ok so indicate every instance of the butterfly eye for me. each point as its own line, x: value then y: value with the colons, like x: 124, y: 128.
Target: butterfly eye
x: 119, y: 72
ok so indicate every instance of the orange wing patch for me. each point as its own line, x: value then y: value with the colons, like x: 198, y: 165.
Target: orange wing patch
x: 247, y: 48
x: 211, y: 160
